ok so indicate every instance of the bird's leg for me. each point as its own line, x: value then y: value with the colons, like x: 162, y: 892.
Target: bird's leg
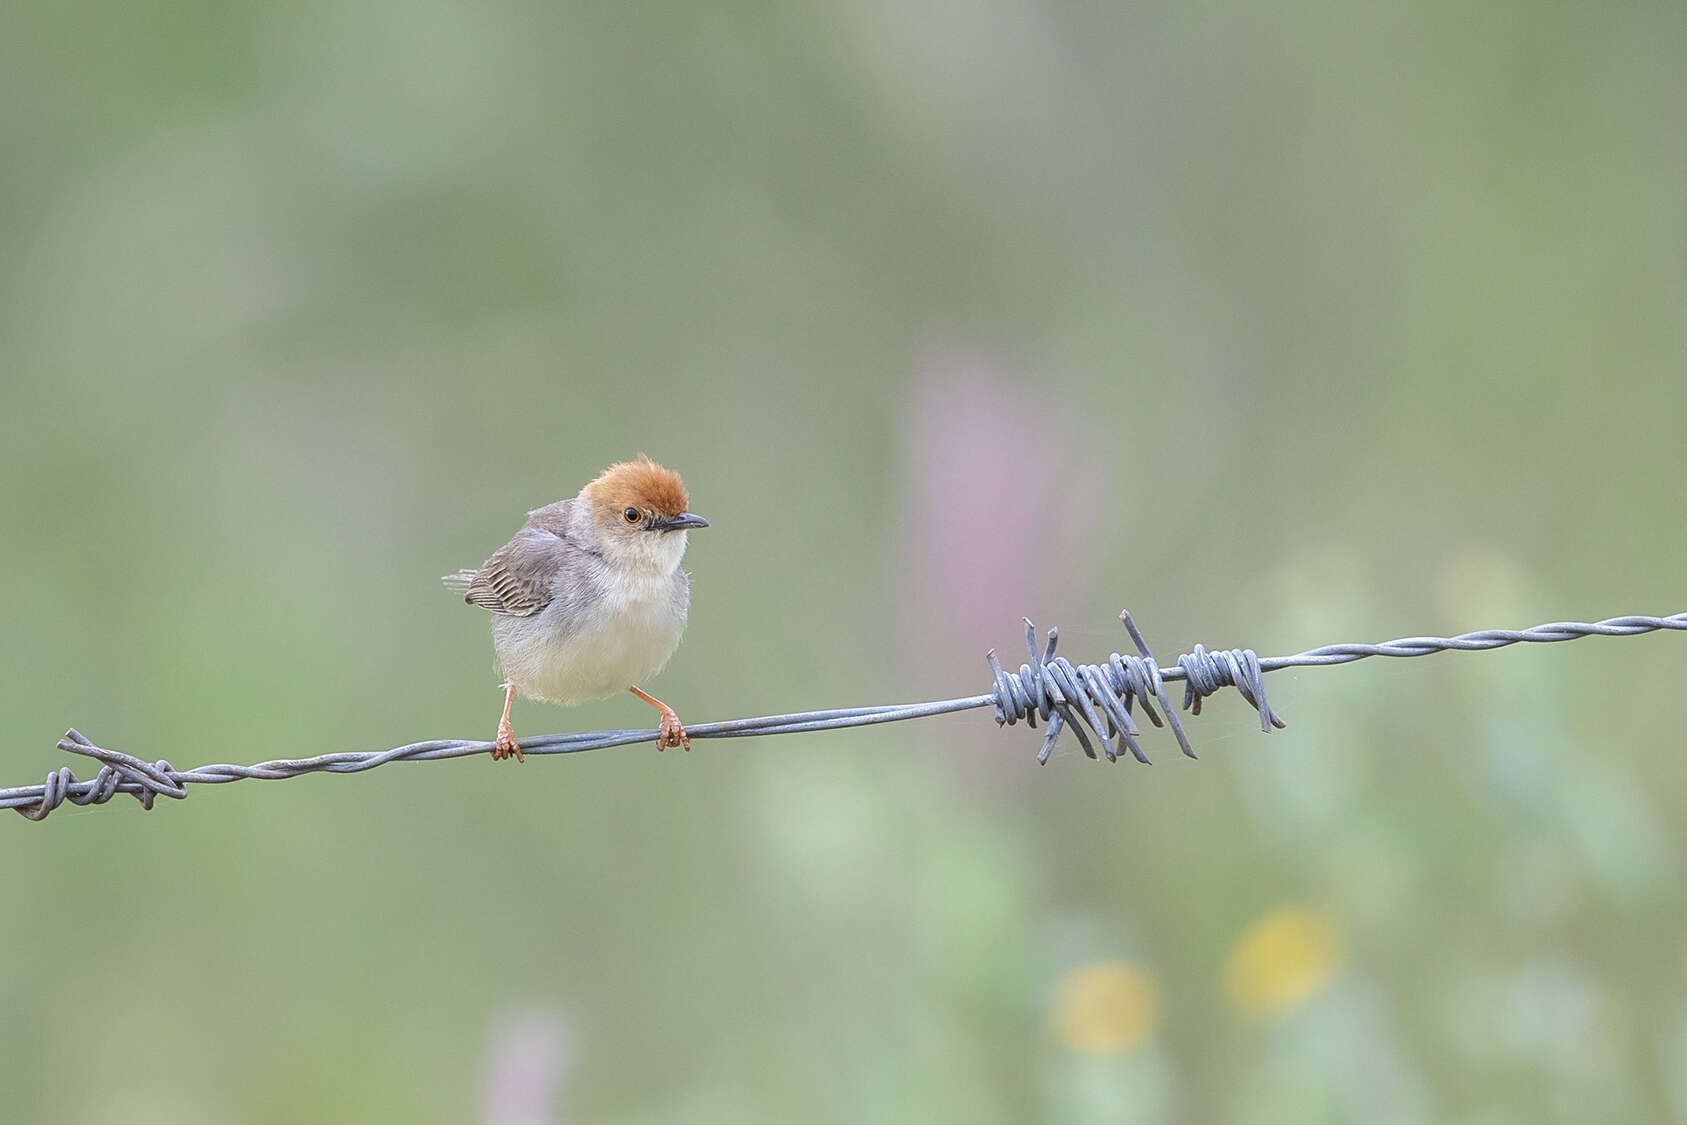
x: 672, y: 733
x: 507, y: 744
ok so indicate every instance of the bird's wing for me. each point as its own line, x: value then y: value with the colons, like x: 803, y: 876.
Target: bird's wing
x: 518, y: 579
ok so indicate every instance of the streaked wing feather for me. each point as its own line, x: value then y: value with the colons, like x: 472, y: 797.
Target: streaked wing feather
x: 516, y: 580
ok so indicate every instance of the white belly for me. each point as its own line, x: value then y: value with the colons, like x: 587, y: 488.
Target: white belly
x: 628, y: 639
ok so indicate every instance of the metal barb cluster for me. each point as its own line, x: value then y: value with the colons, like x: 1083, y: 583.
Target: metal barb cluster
x: 1090, y: 698
x: 119, y: 773
x: 1097, y: 698
x: 1205, y: 672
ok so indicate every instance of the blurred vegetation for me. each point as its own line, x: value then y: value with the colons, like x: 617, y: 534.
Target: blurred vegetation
x: 1277, y: 326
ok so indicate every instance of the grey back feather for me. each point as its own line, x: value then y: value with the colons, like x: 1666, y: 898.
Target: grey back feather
x: 520, y: 577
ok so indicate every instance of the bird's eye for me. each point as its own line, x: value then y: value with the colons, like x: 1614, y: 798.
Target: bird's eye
x: 631, y: 514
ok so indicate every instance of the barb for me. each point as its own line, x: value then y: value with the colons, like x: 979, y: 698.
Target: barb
x: 1094, y: 700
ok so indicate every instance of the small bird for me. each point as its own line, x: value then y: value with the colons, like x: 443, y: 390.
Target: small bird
x: 589, y: 599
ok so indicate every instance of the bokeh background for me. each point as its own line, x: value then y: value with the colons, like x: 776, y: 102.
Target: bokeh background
x: 1277, y: 326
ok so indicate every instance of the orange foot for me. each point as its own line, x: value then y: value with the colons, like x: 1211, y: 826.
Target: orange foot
x: 506, y: 744
x: 671, y: 732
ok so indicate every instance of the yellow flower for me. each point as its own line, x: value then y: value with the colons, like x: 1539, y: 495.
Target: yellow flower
x: 1282, y: 960
x: 1106, y: 1006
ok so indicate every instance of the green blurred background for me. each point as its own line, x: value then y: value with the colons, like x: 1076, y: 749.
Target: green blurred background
x: 1278, y: 327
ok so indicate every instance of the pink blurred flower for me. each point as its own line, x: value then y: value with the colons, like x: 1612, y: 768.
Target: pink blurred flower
x: 999, y: 511
x: 527, y: 1065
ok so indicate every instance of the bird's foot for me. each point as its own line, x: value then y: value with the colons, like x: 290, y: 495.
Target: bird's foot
x: 672, y: 732
x: 506, y: 744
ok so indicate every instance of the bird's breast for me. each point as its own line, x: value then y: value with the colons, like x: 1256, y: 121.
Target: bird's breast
x: 573, y: 654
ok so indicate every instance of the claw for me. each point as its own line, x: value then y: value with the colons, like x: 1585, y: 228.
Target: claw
x: 506, y: 745
x: 672, y: 733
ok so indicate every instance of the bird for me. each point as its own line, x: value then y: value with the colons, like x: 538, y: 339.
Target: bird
x: 588, y: 599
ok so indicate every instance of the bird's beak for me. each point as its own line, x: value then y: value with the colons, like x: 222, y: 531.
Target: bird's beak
x: 681, y: 522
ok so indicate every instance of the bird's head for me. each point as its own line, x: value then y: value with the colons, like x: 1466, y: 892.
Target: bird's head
x: 639, y: 512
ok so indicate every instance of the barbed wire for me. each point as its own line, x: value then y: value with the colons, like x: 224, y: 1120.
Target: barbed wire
x: 1094, y: 700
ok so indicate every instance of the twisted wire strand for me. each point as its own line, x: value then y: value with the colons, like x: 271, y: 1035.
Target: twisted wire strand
x: 1094, y: 700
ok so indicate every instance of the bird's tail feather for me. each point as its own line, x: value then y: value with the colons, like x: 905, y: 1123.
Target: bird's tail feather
x: 459, y: 583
